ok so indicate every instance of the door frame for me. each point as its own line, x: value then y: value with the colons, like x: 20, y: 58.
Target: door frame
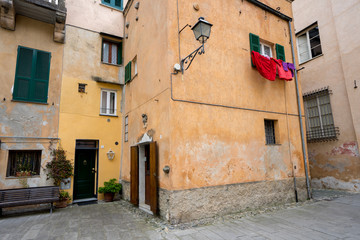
x: 134, y: 175
x: 96, y: 148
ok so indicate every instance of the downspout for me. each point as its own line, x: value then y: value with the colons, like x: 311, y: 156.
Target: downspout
x: 300, y: 116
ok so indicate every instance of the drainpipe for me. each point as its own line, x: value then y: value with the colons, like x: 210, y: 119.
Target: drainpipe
x: 300, y: 116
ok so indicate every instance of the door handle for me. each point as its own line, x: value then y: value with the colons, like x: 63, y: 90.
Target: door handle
x: 93, y: 170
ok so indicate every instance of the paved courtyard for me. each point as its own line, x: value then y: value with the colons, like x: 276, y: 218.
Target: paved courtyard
x: 329, y: 216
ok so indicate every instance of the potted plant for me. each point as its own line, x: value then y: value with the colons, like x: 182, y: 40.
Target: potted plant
x: 64, y: 197
x: 110, y: 188
x: 59, y: 168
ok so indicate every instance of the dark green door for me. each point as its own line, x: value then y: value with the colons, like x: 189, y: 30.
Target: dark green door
x: 84, y: 179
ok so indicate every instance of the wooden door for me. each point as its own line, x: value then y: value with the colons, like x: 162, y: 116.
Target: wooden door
x: 147, y: 174
x: 153, y: 178
x: 84, y: 179
x: 134, y: 176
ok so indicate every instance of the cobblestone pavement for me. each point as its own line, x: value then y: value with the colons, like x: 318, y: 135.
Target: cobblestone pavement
x: 331, y: 215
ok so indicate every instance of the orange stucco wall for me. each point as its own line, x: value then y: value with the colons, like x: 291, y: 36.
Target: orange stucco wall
x: 208, y: 145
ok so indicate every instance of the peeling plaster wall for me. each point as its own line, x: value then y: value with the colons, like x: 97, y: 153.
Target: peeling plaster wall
x: 335, y: 164
x: 21, y: 119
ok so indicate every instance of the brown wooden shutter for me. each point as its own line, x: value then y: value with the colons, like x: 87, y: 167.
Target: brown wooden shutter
x: 134, y: 176
x: 153, y: 178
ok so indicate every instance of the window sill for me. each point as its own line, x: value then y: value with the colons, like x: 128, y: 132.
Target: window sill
x: 111, y: 7
x: 273, y: 144
x: 23, y: 101
x: 134, y: 76
x: 108, y: 115
x: 13, y: 177
x: 311, y: 59
x: 111, y: 64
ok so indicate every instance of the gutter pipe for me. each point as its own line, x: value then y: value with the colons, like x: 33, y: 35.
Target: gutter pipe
x: 300, y: 117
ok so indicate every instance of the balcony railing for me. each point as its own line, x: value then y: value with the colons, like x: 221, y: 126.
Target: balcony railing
x: 323, y: 135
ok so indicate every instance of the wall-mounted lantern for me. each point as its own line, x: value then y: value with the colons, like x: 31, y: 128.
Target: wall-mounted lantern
x: 110, y: 155
x: 202, y: 30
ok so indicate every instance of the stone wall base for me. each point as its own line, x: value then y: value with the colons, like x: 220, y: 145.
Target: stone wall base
x: 192, y: 204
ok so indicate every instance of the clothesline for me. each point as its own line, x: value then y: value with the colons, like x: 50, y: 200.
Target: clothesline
x: 269, y: 67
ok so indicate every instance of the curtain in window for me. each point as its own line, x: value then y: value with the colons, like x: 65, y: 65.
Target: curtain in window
x: 113, y: 53
x: 106, y: 52
x: 103, y: 102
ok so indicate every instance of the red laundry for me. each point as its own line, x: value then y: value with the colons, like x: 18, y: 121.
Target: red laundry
x: 284, y: 75
x: 265, y: 66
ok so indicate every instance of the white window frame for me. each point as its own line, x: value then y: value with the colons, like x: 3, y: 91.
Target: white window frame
x: 113, y: 43
x: 262, y: 51
x: 308, y: 43
x: 107, y: 110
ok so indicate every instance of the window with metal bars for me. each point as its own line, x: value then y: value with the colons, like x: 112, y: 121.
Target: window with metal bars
x: 113, y: 3
x: 270, y: 131
x: 108, y: 102
x: 24, y: 163
x: 320, y: 122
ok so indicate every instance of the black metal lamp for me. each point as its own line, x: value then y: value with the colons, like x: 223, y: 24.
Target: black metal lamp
x: 202, y: 30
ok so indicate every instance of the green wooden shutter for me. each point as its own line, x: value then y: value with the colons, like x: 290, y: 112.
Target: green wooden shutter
x: 23, y: 74
x: 32, y: 75
x: 128, y: 72
x: 119, y: 57
x: 280, y: 52
x: 40, y: 81
x: 254, y: 44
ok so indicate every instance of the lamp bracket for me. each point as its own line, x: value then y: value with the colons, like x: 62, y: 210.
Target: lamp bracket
x: 186, y: 62
x: 187, y: 25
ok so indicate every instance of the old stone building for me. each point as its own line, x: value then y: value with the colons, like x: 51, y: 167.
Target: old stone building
x: 328, y: 44
x: 216, y: 137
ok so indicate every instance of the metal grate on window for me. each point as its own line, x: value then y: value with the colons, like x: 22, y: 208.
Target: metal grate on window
x: 24, y: 163
x: 270, y: 131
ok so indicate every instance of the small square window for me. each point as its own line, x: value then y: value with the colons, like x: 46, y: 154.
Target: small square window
x: 270, y: 131
x: 81, y: 88
x: 108, y: 102
x: 111, y: 52
x: 126, y: 130
x: 24, y: 163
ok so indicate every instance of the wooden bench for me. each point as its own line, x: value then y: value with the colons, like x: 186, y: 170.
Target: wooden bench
x: 28, y: 196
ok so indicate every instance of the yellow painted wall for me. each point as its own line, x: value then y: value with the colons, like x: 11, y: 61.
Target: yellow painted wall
x: 21, y: 119
x: 80, y: 112
x: 208, y: 145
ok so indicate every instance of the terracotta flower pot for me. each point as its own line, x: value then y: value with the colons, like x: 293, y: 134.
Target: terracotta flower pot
x: 109, y: 197
x: 61, y: 204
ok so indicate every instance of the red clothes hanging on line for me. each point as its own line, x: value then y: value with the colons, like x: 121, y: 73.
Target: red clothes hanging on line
x: 265, y: 66
x: 284, y: 75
